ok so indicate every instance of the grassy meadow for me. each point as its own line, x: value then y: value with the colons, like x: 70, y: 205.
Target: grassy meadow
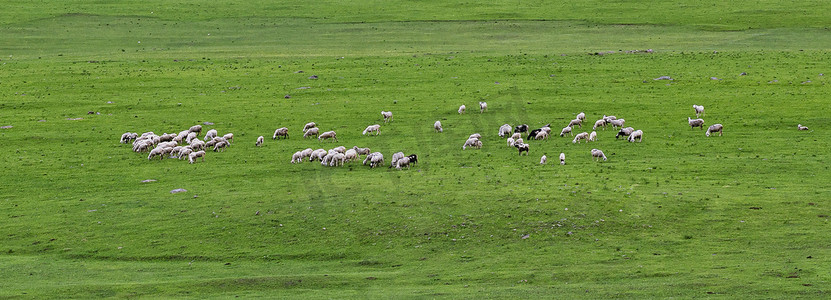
x: 679, y: 215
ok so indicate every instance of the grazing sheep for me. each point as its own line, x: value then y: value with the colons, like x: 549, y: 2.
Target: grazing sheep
x: 581, y: 116
x: 228, y: 137
x: 395, y: 157
x: 518, y: 141
x: 510, y: 142
x: 462, y: 109
x: 296, y: 157
x: 714, y: 128
x: 194, y: 155
x: 370, y: 156
x: 190, y: 137
x: 327, y: 158
x: 317, y: 154
x: 339, y: 149
x: 413, y: 158
x: 282, y: 131
x: 350, y: 155
x: 543, y: 159
x: 210, y: 134
x: 185, y: 152
x: 523, y: 147
x: 475, y: 136
x: 566, y: 130
x: 516, y: 135
x: 361, y: 151
x: 609, y: 119
x: 547, y: 128
x: 562, y: 158
x: 127, y: 137
x: 166, y: 137
x: 387, y: 116
x: 373, y: 128
x: 173, y: 153
x: 696, y: 123
x: 437, y: 126
x: 158, y: 151
x: 182, y: 135
x: 533, y: 134
x: 472, y: 142
x: 577, y: 122
x: 197, y: 145
x: 636, y: 135
x: 146, y: 134
x: 404, y: 161
x: 542, y: 135
x: 521, y: 128
x: 624, y: 132
x: 593, y: 136
x: 220, y: 146
x: 308, y: 126
x: 617, y: 123
x: 260, y: 140
x: 337, y: 157
x: 580, y: 136
x: 328, y: 135
x: 375, y: 159
x: 599, y: 123
x: 311, y: 132
x: 800, y: 127
x: 483, y: 106
x: 170, y: 144
x: 504, y: 130
x: 196, y: 128
x: 699, y: 110
x: 598, y: 154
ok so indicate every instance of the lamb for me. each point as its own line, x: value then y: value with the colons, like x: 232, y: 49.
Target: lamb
x: 462, y: 109
x: 395, y: 157
x: 510, y: 142
x: 624, y: 132
x: 581, y: 116
x: 516, y: 135
x: 521, y: 128
x: 475, y: 136
x: 210, y: 134
x: 699, y: 110
x: 387, y: 116
x: 437, y: 126
x: 373, y: 128
x: 361, y: 151
x: 228, y: 137
x: 328, y: 135
x: 282, y: 131
x: 714, y: 128
x: 522, y: 147
x: 800, y: 127
x: 599, y: 123
x: 472, y: 142
x: 617, y: 123
x: 598, y: 154
x: 696, y: 123
x: 260, y: 140
x: 404, y: 161
x: 566, y: 130
x: 483, y: 106
x: 311, y: 132
x: 308, y: 126
x: 577, y: 122
x: 194, y: 155
x: 580, y: 136
x: 593, y: 136
x: 636, y: 135
x: 562, y: 159
x: 413, y: 158
x: 196, y: 128
x: 543, y: 159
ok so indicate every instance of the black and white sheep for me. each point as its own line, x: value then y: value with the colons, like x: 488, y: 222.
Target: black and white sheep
x: 260, y: 140
x: 800, y: 127
x: 562, y: 158
x: 521, y: 128
x: 522, y: 147
x: 624, y: 132
x: 483, y: 106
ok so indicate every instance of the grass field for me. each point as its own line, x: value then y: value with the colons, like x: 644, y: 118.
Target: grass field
x: 679, y: 215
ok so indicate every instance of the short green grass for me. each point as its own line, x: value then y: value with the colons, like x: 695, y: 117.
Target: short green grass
x: 679, y: 215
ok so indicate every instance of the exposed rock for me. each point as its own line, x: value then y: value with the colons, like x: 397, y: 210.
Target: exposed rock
x: 178, y: 191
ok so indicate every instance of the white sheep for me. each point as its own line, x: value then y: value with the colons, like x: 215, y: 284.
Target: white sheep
x: 361, y: 151
x: 195, y: 128
x: 297, y: 157
x: 228, y: 137
x: 376, y: 160
x: 158, y: 151
x: 598, y: 154
x: 617, y: 123
x: 593, y: 136
x: 800, y: 127
x: 190, y: 137
x: 516, y: 135
x: 128, y: 136
x: 311, y: 132
x: 518, y: 141
x: 542, y: 135
x: 483, y: 106
x: 577, y: 122
x: 211, y: 134
x: 562, y: 158
x: 318, y: 154
x: 581, y: 116
x: 339, y: 149
x: 337, y: 157
x: 472, y: 142
x: 197, y: 145
x: 260, y: 140
x: 609, y: 119
x: 511, y: 142
x: 282, y: 131
x: 543, y: 159
x: 462, y: 109
x: 369, y: 157
x: 547, y: 129
x: 308, y: 126
x: 167, y: 137
x: 373, y: 128
x: 146, y: 134
x: 395, y: 157
x: 328, y: 135
x: 387, y: 116
x: 695, y: 123
x: 475, y: 136
x: 220, y: 146
x: 624, y: 132
x: 350, y: 155
x: 185, y: 152
x: 566, y: 130
x: 636, y: 135
x: 580, y: 136
x: 699, y: 110
x: 194, y: 155
x: 404, y: 161
x: 437, y: 126
x: 599, y: 123
x: 505, y: 130
x: 714, y: 128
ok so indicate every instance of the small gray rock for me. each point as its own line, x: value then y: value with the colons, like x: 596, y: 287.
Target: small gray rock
x: 6, y: 127
x: 208, y: 123
x: 178, y: 191
x: 148, y: 180
x: 664, y: 78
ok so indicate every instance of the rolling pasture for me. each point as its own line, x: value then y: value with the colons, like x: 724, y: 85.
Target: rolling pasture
x: 678, y: 215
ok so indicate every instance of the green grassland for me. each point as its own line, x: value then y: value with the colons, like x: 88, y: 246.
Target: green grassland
x: 678, y: 215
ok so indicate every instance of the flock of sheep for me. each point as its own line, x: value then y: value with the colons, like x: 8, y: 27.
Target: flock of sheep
x: 185, y: 144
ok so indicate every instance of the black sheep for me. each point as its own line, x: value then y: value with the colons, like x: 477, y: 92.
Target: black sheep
x: 413, y: 158
x: 521, y: 128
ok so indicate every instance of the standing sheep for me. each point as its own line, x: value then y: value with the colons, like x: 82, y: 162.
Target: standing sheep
x: 593, y: 136
x: 260, y: 140
x: 472, y: 142
x: 229, y: 137
x: 437, y: 126
x: 282, y: 131
x: 580, y: 136
x: 577, y: 122
x: 350, y: 155
x: 543, y: 159
x: 581, y: 116
x: 194, y: 155
x: 542, y: 135
x: 387, y: 116
x: 328, y: 135
x: 211, y: 134
x: 599, y: 123
x: 598, y: 154
x: 699, y: 110
x: 373, y: 128
x: 521, y: 128
x: 523, y: 147
x: 714, y: 128
x: 562, y: 159
x: 636, y: 135
x: 311, y: 132
x: 504, y: 130
x: 617, y: 123
x: 196, y: 128
x: 361, y: 151
x: 510, y: 142
x: 696, y: 123
x: 308, y: 126
x: 483, y: 106
x: 624, y: 132
x: 462, y: 109
x: 566, y: 130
